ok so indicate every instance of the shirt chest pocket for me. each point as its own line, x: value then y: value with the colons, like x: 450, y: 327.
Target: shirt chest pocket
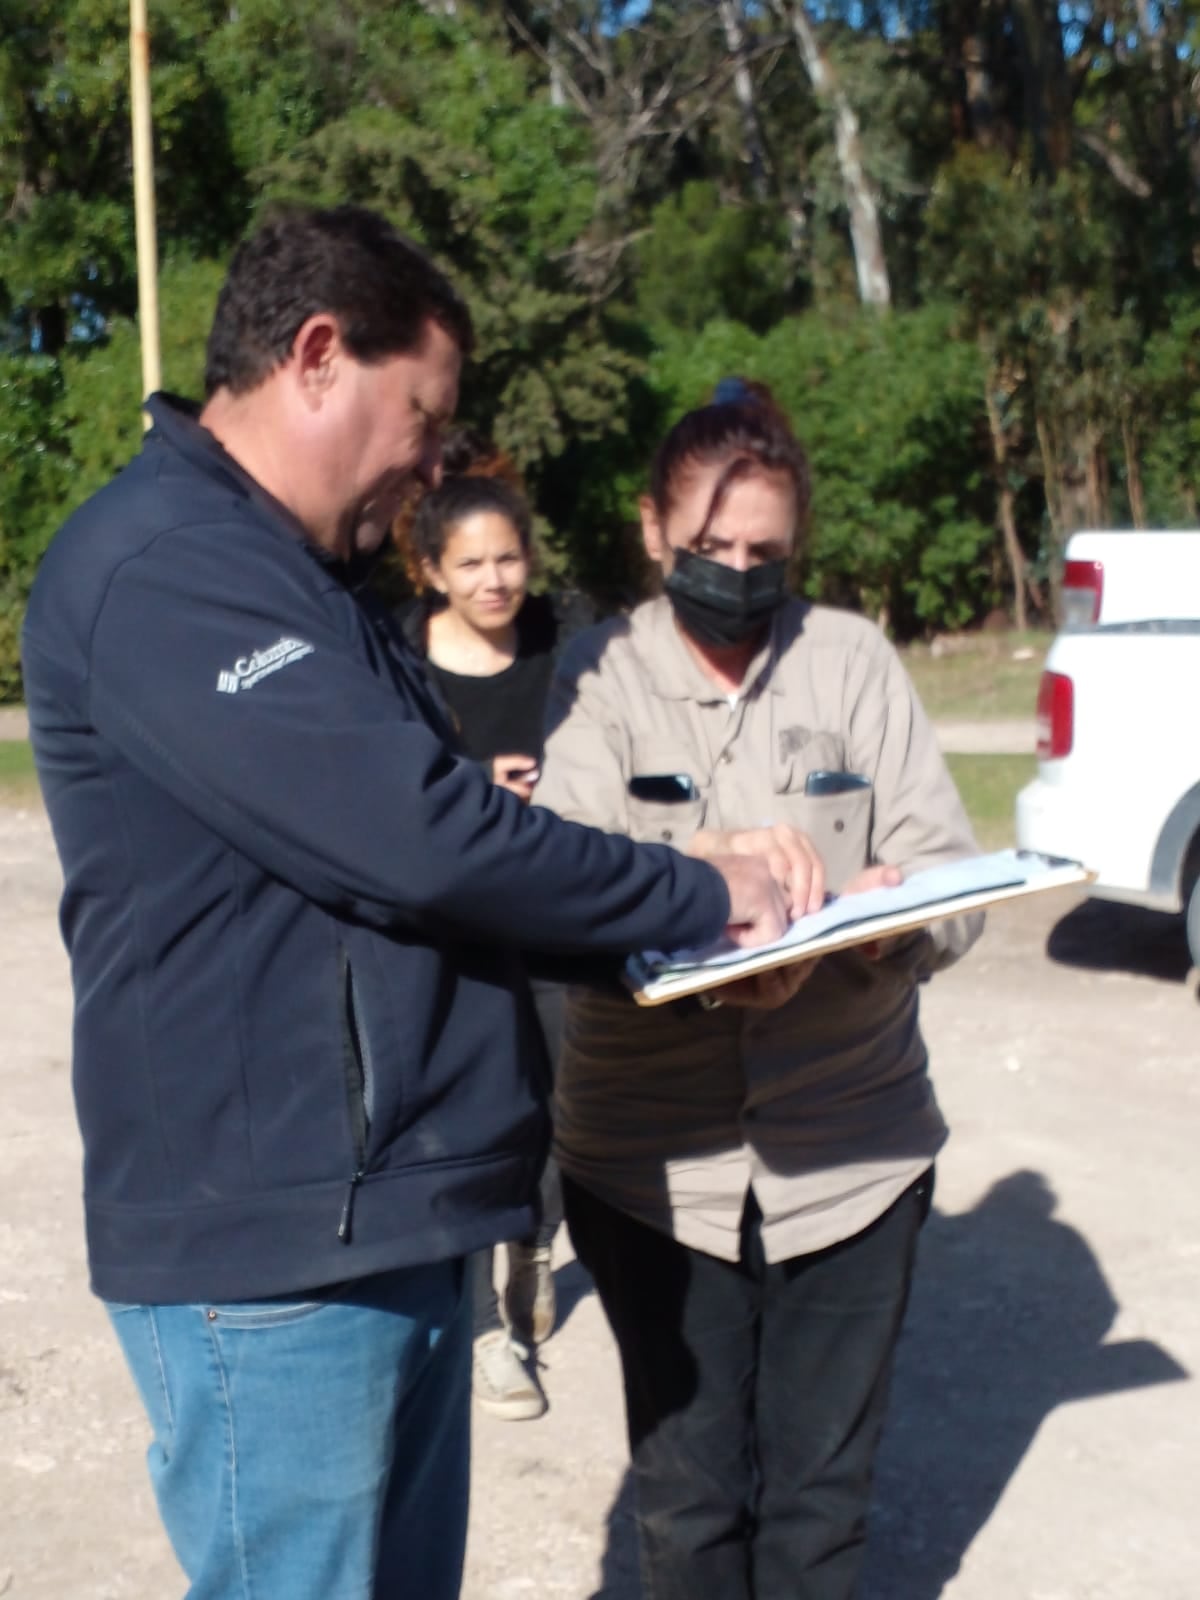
x: 665, y: 800
x: 665, y: 824
x: 839, y: 826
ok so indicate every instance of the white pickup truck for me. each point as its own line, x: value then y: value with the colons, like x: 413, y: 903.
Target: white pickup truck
x: 1118, y: 715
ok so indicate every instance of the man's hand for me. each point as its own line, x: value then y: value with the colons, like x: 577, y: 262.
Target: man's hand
x: 766, y: 991
x: 515, y: 773
x: 790, y: 855
x: 875, y: 878
x: 758, y: 909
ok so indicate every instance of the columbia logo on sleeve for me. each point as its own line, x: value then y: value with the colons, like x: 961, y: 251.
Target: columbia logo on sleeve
x: 248, y: 670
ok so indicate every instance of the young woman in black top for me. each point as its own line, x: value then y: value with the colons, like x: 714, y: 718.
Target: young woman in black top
x: 490, y: 648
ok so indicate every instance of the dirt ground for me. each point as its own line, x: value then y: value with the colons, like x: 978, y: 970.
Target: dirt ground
x: 1044, y: 1442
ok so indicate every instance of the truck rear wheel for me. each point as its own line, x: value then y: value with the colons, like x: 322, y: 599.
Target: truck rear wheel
x: 1193, y: 923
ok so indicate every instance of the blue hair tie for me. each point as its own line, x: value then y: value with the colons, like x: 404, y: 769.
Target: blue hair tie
x: 733, y: 392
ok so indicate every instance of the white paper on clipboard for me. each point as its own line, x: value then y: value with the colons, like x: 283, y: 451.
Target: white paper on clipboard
x: 925, y: 897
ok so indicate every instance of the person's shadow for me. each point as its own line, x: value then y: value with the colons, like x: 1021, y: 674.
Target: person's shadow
x: 619, y: 1576
x: 571, y: 1285
x: 1007, y: 1322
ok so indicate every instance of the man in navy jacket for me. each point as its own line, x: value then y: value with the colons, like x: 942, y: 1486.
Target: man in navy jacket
x: 305, y: 1073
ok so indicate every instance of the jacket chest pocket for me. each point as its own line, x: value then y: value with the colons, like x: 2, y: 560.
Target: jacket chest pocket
x: 839, y: 826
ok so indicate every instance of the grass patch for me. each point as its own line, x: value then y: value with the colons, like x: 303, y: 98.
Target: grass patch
x: 988, y: 785
x: 18, y: 781
x: 975, y: 678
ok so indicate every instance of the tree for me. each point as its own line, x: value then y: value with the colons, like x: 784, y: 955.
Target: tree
x: 702, y: 258
x: 874, y: 285
x: 436, y: 125
x: 67, y: 246
x: 637, y: 196
x: 32, y: 485
x: 757, y: 160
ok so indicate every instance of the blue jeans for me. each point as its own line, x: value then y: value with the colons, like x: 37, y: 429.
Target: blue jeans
x: 316, y: 1448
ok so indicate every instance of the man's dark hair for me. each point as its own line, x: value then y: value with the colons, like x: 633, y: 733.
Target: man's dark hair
x: 347, y: 261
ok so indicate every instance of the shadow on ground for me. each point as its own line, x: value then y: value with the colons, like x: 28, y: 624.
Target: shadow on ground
x: 1008, y: 1321
x: 1101, y: 936
x: 571, y: 1285
x: 619, y: 1575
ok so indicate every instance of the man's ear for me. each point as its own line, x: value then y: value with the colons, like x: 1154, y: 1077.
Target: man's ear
x: 317, y: 351
x: 653, y: 536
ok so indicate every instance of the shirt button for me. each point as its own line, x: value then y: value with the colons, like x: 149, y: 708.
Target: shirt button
x: 726, y: 757
x: 667, y: 834
x: 839, y: 826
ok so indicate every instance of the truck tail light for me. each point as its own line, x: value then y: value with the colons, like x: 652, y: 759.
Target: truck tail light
x: 1082, y: 592
x: 1055, y: 716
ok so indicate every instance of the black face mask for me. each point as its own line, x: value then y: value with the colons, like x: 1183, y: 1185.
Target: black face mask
x: 719, y: 606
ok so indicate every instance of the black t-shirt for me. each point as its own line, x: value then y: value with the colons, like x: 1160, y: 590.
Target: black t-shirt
x: 502, y: 714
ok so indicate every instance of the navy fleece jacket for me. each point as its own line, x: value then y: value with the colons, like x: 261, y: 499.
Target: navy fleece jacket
x: 302, y: 1050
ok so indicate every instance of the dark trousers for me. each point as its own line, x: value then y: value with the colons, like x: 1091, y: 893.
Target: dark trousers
x: 754, y: 1396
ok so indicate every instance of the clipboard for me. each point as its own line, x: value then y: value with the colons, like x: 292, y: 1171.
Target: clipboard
x: 928, y: 896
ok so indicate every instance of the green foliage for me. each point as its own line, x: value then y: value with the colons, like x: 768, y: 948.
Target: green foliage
x: 68, y: 247
x: 12, y: 609
x: 703, y: 259
x: 33, y: 449
x: 1169, y: 403
x: 63, y: 121
x: 67, y: 426
x: 33, y: 481
x: 438, y: 126
x: 1031, y: 268
x: 102, y: 381
x: 630, y: 222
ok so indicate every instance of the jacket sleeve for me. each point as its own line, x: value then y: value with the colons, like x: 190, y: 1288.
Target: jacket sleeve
x: 919, y: 820
x: 226, y: 678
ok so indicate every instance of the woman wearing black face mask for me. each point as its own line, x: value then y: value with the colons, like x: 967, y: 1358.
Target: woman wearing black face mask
x: 746, y: 1182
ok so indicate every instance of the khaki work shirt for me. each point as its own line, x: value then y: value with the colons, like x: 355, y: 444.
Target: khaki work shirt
x: 824, y: 1106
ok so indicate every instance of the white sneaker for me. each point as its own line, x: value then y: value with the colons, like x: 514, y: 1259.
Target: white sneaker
x: 529, y: 1293
x: 501, y: 1382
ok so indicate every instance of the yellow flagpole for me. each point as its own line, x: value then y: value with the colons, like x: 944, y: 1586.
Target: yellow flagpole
x: 143, y: 198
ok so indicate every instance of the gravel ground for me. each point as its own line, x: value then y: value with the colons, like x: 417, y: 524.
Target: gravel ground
x: 1044, y: 1442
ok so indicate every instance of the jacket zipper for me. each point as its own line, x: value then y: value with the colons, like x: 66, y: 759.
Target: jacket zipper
x: 356, y: 1071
